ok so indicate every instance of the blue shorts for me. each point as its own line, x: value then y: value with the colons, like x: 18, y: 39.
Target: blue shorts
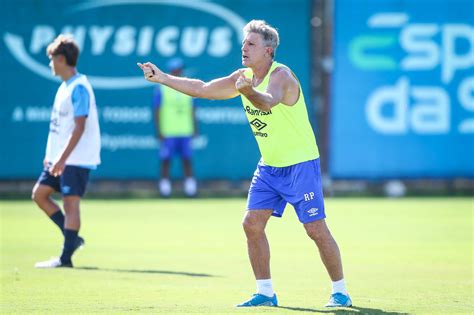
x: 176, y: 145
x: 72, y: 182
x: 300, y: 185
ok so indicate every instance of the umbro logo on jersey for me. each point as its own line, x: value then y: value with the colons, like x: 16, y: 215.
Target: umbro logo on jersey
x: 257, y: 123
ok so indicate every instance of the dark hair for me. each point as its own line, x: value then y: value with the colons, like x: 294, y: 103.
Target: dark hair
x: 64, y: 45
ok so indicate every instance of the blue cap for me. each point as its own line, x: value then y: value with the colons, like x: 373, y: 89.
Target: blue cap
x: 174, y: 64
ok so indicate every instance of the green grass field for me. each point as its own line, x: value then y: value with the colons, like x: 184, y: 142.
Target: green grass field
x: 189, y: 256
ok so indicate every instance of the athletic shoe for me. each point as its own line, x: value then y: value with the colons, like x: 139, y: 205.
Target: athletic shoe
x: 80, y: 242
x: 190, y: 187
x: 260, y: 300
x: 53, y: 263
x: 165, y: 187
x: 339, y: 300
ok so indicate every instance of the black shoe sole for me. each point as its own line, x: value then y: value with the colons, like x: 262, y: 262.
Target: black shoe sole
x: 66, y: 266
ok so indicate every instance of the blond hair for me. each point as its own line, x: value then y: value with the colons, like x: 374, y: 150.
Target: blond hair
x: 268, y: 32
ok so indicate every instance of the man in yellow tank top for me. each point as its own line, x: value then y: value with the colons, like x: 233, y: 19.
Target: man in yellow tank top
x: 289, y: 169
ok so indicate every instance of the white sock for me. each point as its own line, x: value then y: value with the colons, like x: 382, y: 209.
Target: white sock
x: 190, y: 186
x: 165, y: 187
x: 339, y: 287
x: 265, y: 287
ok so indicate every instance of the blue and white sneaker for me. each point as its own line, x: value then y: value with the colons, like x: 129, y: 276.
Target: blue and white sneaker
x: 260, y: 300
x: 339, y: 300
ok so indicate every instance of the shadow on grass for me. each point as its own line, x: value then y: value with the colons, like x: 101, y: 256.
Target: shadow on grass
x: 343, y: 311
x: 149, y: 271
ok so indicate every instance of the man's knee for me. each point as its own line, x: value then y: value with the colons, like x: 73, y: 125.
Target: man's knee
x: 71, y: 204
x: 253, y: 225
x: 38, y: 194
x: 34, y: 195
x: 318, y: 231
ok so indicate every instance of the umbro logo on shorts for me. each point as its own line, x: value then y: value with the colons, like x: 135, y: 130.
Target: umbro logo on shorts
x: 313, y: 211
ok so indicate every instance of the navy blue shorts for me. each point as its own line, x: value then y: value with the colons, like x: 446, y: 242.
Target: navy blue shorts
x: 300, y: 185
x: 176, y: 145
x: 72, y: 182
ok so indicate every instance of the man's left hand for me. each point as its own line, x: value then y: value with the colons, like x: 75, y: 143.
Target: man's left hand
x: 57, y: 168
x: 243, y: 84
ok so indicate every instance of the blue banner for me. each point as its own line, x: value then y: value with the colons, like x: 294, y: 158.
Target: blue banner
x: 114, y: 35
x: 403, y: 89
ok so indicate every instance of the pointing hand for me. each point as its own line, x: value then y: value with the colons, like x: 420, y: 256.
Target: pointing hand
x: 243, y: 84
x: 151, y: 72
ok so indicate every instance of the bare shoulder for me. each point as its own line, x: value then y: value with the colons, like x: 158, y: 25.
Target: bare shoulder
x: 284, y: 75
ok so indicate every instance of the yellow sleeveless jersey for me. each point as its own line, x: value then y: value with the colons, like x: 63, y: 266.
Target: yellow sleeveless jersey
x: 284, y: 134
x: 176, y: 113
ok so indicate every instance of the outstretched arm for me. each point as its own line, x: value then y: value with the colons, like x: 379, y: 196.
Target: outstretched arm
x: 218, y: 89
